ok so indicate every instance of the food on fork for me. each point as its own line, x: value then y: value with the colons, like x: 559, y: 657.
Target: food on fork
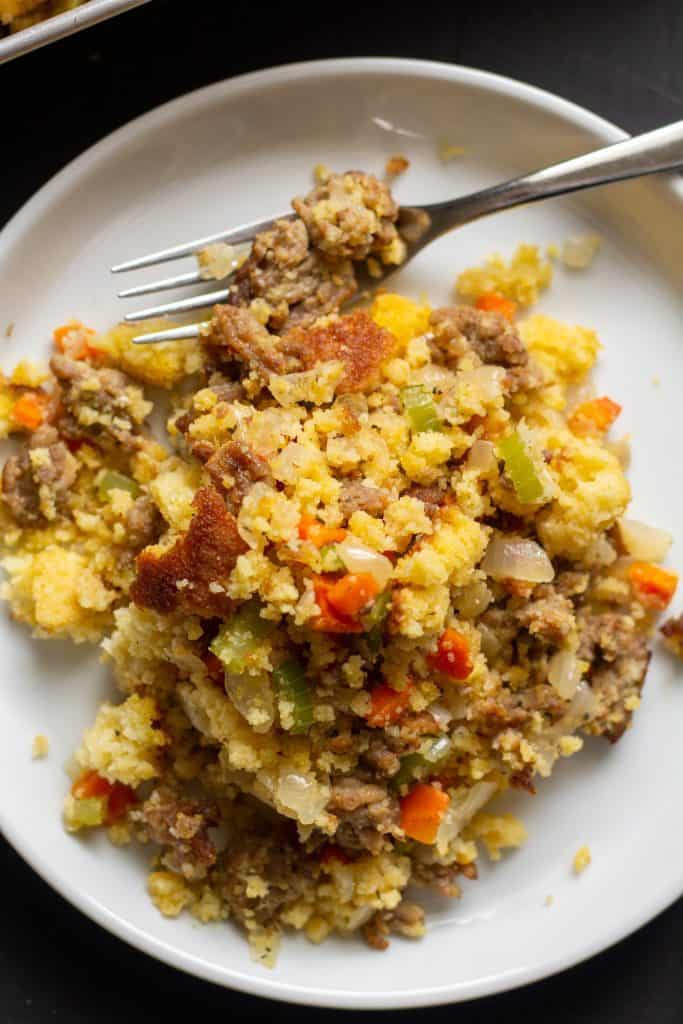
x: 378, y: 574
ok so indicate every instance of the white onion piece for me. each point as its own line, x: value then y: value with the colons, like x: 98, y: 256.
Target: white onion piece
x: 441, y: 715
x: 460, y: 812
x: 644, y: 542
x: 490, y: 644
x: 303, y: 795
x: 516, y: 558
x: 564, y: 673
x: 579, y: 252
x: 473, y: 600
x: 437, y: 749
x: 578, y: 712
x: 253, y: 698
x: 482, y: 456
x: 358, y: 558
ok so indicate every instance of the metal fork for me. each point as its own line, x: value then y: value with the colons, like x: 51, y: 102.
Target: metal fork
x: 659, y: 150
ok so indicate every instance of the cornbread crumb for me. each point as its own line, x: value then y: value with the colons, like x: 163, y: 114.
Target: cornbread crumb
x: 549, y: 900
x: 9, y: 330
x: 448, y: 151
x: 40, y: 747
x: 396, y: 165
x: 582, y: 859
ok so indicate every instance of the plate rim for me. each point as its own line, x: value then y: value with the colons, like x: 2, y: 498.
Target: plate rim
x: 227, y: 976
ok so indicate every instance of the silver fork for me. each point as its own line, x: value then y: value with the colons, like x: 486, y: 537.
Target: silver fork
x: 659, y: 150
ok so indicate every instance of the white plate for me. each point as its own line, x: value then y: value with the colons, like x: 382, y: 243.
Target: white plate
x: 236, y: 151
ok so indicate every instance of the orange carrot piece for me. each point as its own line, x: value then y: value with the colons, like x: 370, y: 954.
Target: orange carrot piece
x: 421, y: 812
x: 387, y: 705
x: 318, y: 533
x: 72, y: 339
x: 494, y: 302
x: 452, y: 657
x: 29, y: 410
x: 352, y: 593
x: 330, y: 620
x: 653, y: 586
x: 118, y: 796
x: 595, y: 416
x: 91, y: 784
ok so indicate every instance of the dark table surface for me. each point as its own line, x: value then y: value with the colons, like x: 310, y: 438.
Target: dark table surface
x: 624, y: 61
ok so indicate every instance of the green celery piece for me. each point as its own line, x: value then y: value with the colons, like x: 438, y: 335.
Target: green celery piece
x: 110, y: 480
x: 291, y: 683
x: 330, y: 560
x: 373, y: 620
x: 89, y: 811
x: 520, y: 468
x: 420, y: 408
x: 235, y: 640
x: 410, y: 765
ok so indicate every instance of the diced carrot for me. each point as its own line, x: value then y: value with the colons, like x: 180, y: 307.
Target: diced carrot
x: 595, y: 416
x: 387, y: 705
x: 494, y: 302
x: 118, y: 796
x: 319, y: 534
x: 119, y: 800
x: 352, y: 593
x: 332, y: 852
x: 330, y: 620
x: 72, y: 339
x: 452, y: 657
x: 653, y: 586
x: 29, y: 410
x: 91, y: 784
x: 421, y: 812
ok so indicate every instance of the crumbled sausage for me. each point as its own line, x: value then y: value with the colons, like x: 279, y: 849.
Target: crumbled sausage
x: 349, y: 215
x: 366, y: 813
x: 234, y: 469
x: 143, y: 523
x: 356, y: 496
x: 179, y: 579
x: 297, y: 283
x: 36, y: 481
x: 279, y: 861
x: 102, y: 405
x: 181, y: 825
x: 493, y: 338
x: 549, y: 615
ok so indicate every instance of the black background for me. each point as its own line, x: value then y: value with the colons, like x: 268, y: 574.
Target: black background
x: 622, y: 60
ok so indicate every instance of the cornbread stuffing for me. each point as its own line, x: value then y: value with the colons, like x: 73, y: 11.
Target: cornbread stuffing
x: 582, y: 859
x: 40, y: 747
x: 378, y: 574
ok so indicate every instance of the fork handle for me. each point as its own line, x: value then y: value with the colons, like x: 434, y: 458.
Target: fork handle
x: 659, y: 150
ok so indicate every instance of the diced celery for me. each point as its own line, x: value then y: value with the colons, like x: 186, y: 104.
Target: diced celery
x: 373, y: 620
x: 433, y: 750
x: 236, y: 639
x: 520, y: 468
x: 88, y: 811
x: 420, y: 408
x: 410, y: 766
x: 330, y: 559
x: 110, y: 480
x: 292, y: 684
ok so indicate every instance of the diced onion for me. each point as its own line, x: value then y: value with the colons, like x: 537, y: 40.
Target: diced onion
x: 646, y: 543
x: 253, y: 698
x: 490, y: 644
x: 303, y: 795
x: 460, y: 812
x: 358, y: 558
x: 517, y: 558
x: 482, y: 456
x: 579, y: 252
x: 578, y: 712
x: 564, y: 673
x: 484, y: 383
x: 442, y: 715
x: 473, y: 600
x: 436, y: 749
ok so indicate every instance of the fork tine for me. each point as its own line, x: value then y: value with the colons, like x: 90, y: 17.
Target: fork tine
x: 172, y: 334
x: 194, y: 277
x: 244, y: 233
x: 180, y: 306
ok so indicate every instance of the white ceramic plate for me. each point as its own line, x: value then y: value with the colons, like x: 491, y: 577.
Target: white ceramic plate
x: 236, y: 151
